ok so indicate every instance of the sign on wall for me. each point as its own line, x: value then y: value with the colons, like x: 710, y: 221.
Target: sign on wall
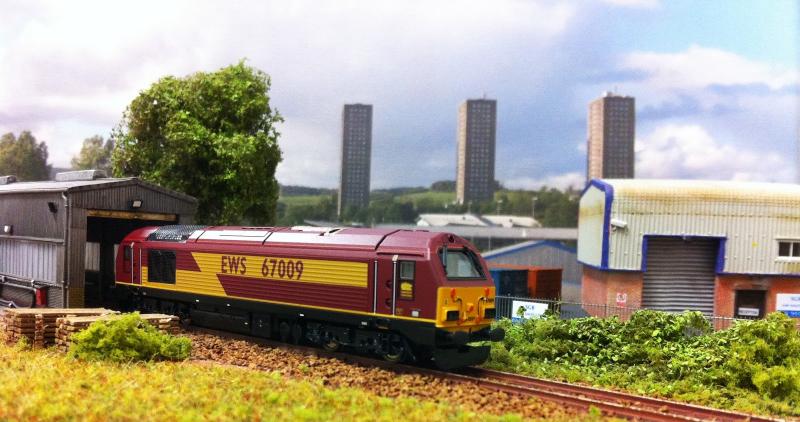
x: 788, y: 303
x: 522, y: 310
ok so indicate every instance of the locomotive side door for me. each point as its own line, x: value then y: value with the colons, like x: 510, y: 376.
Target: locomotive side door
x: 385, y: 293
x: 136, y: 264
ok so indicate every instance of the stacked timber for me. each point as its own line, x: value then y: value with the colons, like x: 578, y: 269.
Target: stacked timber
x: 38, y: 325
x: 69, y: 325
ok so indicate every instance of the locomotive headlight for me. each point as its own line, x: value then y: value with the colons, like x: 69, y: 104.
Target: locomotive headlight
x: 489, y: 313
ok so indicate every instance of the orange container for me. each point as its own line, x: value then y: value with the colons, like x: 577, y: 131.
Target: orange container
x: 543, y: 282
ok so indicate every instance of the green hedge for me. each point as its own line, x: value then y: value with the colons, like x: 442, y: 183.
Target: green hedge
x: 754, y: 365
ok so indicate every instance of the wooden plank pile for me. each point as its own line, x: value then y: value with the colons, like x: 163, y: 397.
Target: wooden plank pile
x: 69, y: 325
x: 39, y: 325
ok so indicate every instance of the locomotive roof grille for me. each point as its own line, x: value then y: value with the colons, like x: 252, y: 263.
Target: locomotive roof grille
x: 176, y: 233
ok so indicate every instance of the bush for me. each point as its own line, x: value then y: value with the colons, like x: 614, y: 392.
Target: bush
x: 754, y: 365
x: 126, y: 339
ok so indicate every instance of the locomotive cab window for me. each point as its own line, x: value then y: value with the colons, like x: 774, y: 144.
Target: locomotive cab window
x: 406, y: 276
x: 460, y: 263
x: 161, y: 266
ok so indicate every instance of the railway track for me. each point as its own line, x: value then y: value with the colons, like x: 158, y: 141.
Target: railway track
x: 611, y: 403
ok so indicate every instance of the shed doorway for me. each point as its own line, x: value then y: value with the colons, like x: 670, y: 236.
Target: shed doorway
x: 103, y: 236
x: 680, y: 274
x: 750, y: 304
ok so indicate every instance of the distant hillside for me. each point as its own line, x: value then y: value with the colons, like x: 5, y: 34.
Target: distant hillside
x: 292, y: 190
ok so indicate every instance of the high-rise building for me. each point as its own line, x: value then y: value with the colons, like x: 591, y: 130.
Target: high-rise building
x: 612, y: 128
x: 356, y: 152
x: 477, y: 127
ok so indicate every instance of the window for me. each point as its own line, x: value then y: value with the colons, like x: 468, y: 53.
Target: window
x: 460, y: 263
x: 406, y: 275
x: 789, y: 249
x: 161, y: 266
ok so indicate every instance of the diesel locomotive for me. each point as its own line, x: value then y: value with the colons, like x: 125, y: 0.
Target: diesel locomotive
x: 405, y: 295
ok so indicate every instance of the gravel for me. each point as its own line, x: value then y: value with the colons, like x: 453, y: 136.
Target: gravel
x: 336, y: 373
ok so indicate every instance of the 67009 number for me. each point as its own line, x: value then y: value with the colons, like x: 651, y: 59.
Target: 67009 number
x: 283, y: 268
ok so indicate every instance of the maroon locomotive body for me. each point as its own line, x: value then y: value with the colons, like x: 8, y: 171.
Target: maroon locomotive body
x: 402, y: 294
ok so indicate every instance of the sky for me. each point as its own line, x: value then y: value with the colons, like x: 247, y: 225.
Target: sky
x: 717, y: 83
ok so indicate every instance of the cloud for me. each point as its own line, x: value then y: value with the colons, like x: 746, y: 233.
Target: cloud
x: 562, y: 181
x: 690, y: 152
x: 703, y: 67
x: 69, y: 69
x: 640, y: 4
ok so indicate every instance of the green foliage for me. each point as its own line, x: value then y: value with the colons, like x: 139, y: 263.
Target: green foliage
x: 554, y: 208
x: 45, y: 386
x: 23, y: 157
x: 444, y: 186
x: 127, y: 339
x: 210, y: 135
x: 95, y: 154
x: 752, y: 366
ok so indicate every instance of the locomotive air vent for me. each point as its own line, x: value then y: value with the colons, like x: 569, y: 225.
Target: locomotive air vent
x: 177, y: 233
x: 311, y: 229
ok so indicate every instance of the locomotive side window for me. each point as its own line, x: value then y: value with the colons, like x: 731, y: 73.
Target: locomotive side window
x: 161, y: 266
x: 406, y: 276
x: 460, y: 263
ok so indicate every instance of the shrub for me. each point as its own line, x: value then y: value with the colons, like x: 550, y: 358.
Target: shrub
x: 125, y: 339
x: 673, y: 355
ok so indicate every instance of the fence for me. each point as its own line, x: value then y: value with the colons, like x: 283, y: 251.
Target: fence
x: 569, y: 310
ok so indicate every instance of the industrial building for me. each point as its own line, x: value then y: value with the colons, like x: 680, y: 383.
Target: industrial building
x: 544, y: 253
x: 723, y: 248
x: 58, y: 238
x: 612, y: 130
x: 356, y: 157
x: 477, y: 129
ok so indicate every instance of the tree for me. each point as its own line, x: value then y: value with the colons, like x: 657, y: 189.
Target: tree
x: 444, y: 186
x: 95, y: 154
x: 23, y: 157
x: 210, y: 135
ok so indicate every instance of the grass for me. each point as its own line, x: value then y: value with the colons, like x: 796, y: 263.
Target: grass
x: 430, y: 196
x: 45, y: 385
x: 300, y: 200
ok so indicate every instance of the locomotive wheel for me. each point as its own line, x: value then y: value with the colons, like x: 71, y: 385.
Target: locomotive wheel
x: 284, y: 331
x: 396, y: 349
x: 329, y: 343
x: 297, y: 333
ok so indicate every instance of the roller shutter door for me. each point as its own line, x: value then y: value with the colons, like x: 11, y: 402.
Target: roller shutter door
x: 680, y: 274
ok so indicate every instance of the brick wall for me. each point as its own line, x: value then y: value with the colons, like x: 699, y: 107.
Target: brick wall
x: 602, y: 287
x: 727, y: 285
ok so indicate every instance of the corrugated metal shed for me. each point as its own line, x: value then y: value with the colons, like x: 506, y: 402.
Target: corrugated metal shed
x: 45, y: 227
x: 544, y: 254
x: 617, y: 217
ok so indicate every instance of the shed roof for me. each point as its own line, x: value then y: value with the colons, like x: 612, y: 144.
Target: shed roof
x: 440, y: 220
x: 703, y: 190
x: 86, y: 185
x: 520, y: 247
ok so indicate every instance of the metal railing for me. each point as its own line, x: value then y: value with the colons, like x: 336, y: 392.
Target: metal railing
x: 569, y: 310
